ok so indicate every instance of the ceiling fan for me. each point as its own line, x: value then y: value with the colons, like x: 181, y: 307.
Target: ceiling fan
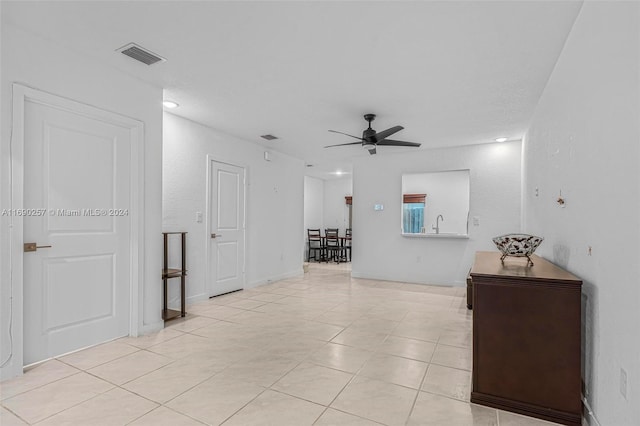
x: 370, y: 139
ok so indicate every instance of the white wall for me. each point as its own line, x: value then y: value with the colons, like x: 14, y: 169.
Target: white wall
x: 584, y: 141
x: 313, y: 203
x: 381, y: 252
x: 274, y: 202
x: 447, y: 195
x: 336, y: 212
x: 37, y: 63
x: 313, y: 208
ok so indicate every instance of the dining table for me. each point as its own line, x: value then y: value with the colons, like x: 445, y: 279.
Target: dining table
x: 341, y: 244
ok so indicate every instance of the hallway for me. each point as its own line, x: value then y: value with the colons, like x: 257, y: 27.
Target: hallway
x: 323, y: 349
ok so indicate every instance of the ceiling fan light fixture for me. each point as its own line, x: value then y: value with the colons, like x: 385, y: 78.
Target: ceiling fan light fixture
x: 371, y: 139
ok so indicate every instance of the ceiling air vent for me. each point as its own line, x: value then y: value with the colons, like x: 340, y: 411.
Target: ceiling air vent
x: 269, y: 137
x: 140, y: 54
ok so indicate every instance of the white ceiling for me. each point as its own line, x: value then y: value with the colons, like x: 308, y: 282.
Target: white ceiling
x: 451, y: 72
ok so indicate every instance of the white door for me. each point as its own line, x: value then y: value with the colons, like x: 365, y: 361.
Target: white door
x: 226, y: 224
x: 77, y: 183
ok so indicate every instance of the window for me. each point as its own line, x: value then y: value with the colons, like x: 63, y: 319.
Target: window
x: 448, y: 210
x: 413, y: 213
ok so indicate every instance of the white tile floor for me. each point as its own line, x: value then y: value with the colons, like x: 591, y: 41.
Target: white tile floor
x: 323, y: 349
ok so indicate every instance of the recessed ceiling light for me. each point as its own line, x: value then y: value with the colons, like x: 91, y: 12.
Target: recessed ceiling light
x: 339, y: 172
x: 169, y: 104
x: 501, y: 140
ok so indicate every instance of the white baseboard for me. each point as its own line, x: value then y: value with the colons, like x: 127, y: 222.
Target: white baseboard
x: 291, y: 274
x: 10, y: 371
x: 357, y: 274
x: 197, y: 298
x: 203, y: 296
x: 151, y: 328
x: 589, y: 415
x: 175, y: 302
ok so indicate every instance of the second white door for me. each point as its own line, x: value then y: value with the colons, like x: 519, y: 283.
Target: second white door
x: 227, y: 228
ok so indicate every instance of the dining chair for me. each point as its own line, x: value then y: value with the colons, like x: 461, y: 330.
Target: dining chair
x: 347, y: 244
x: 316, y: 246
x: 333, y: 248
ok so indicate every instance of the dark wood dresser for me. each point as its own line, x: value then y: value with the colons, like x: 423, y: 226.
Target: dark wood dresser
x: 526, y: 338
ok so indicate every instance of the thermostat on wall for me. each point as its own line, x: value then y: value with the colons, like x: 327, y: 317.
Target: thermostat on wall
x: 378, y: 207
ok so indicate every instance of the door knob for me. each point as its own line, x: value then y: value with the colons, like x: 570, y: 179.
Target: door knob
x: 29, y: 247
x: 215, y: 235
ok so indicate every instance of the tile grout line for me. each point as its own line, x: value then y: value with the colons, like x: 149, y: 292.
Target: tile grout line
x: 15, y: 414
x: 373, y: 295
x: 355, y: 375
x: 249, y: 402
x: 415, y: 400
x: 43, y: 385
x: 163, y: 406
x: 74, y: 405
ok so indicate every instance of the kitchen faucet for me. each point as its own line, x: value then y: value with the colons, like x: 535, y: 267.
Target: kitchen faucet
x: 437, y: 227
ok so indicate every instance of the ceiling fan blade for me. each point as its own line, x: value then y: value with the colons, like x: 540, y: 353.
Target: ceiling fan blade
x: 386, y: 133
x: 391, y: 142
x: 346, y: 134
x: 343, y: 144
x: 372, y: 150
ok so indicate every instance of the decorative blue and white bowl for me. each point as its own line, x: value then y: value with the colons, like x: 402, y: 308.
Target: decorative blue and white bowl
x: 517, y: 245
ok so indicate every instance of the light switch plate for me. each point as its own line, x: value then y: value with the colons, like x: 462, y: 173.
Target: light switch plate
x: 199, y: 217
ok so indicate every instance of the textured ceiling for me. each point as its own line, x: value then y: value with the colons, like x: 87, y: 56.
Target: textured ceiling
x: 452, y: 73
